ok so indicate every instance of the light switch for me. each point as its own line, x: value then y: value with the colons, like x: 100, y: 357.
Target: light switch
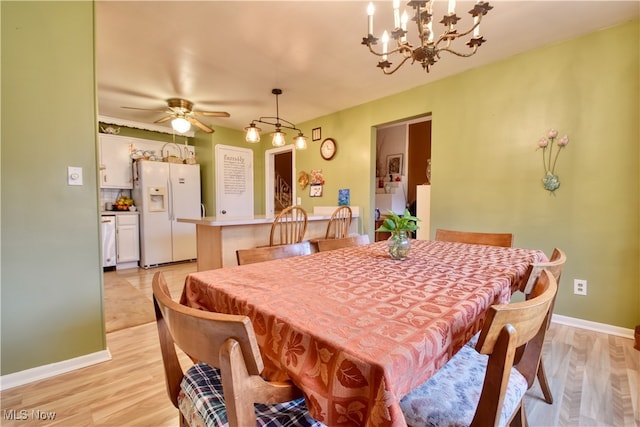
x: 74, y: 174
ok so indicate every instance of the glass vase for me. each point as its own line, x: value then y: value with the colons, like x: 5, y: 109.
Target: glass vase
x: 399, y: 245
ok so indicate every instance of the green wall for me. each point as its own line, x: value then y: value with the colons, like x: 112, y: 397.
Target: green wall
x: 51, y: 277
x: 486, y: 170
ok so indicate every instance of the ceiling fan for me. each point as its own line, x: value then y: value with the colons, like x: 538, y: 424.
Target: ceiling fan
x: 180, y: 112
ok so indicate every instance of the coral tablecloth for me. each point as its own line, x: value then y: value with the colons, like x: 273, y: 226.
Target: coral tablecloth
x: 356, y: 330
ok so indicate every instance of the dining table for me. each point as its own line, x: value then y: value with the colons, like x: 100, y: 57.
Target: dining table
x: 356, y: 330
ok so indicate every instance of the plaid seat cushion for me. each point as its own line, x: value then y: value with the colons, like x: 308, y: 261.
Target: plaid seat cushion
x: 201, y: 402
x: 451, y: 396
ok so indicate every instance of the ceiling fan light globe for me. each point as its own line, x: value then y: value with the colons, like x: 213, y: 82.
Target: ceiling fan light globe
x: 253, y: 134
x: 278, y: 139
x: 180, y: 125
x: 300, y: 142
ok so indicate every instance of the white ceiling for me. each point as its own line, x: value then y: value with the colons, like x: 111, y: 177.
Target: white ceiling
x: 228, y: 55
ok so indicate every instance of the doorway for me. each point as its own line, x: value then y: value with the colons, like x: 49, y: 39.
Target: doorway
x: 396, y: 187
x: 280, y: 191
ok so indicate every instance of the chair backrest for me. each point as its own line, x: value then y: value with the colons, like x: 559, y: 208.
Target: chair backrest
x: 267, y: 253
x: 554, y: 265
x: 507, y: 330
x: 331, y: 244
x: 224, y: 341
x: 491, y: 239
x: 288, y: 226
x: 339, y: 223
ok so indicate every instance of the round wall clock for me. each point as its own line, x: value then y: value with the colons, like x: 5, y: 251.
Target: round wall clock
x: 328, y: 148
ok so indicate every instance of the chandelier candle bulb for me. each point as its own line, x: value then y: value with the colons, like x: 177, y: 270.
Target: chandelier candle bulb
x: 476, y: 30
x: 370, y: 10
x: 396, y: 13
x: 385, y: 43
x: 452, y: 6
x: 404, y: 20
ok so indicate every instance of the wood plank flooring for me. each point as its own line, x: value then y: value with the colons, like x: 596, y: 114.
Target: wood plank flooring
x: 595, y: 379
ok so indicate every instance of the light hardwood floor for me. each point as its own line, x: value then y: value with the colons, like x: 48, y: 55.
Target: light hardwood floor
x: 595, y: 379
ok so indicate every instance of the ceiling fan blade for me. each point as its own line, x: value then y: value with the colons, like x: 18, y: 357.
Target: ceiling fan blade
x: 202, y: 126
x: 211, y: 113
x: 145, y: 109
x: 164, y: 119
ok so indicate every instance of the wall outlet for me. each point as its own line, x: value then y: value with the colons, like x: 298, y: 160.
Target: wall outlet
x: 579, y: 286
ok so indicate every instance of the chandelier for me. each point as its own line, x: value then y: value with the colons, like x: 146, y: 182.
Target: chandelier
x: 278, y: 140
x: 428, y: 50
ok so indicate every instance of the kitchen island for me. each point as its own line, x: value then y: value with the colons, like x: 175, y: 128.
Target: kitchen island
x: 218, y: 238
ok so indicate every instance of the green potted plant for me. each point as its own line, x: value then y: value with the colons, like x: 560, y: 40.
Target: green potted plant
x: 399, y: 226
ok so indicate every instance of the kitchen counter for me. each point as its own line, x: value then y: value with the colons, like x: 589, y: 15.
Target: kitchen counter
x: 119, y: 212
x: 249, y: 220
x: 218, y: 238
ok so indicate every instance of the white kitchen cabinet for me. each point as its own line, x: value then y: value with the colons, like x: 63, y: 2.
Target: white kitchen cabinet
x: 115, y: 162
x: 127, y: 238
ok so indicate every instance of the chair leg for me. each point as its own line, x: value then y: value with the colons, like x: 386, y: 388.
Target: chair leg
x: 544, y: 385
x: 520, y: 417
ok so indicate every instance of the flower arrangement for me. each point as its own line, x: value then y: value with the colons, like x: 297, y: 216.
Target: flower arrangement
x: 551, y: 181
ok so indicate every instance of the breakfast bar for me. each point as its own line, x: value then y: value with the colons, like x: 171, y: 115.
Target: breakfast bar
x: 218, y: 238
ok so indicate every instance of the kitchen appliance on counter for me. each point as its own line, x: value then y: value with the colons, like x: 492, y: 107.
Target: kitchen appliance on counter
x: 163, y: 192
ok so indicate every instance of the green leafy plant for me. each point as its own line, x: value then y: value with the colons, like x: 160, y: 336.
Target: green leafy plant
x: 395, y: 223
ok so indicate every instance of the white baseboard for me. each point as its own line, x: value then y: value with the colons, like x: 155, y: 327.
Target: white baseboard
x: 47, y: 371
x: 593, y: 326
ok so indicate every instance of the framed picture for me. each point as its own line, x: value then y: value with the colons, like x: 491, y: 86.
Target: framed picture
x: 316, y: 134
x: 394, y: 164
x: 344, y: 197
x: 315, y: 190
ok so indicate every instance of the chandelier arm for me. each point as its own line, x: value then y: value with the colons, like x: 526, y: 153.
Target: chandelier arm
x: 404, y: 47
x: 384, y: 70
x: 453, y: 35
x: 462, y: 55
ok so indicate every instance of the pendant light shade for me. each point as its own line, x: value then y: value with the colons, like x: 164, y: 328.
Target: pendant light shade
x: 253, y: 133
x: 180, y: 125
x: 278, y: 138
x: 300, y: 142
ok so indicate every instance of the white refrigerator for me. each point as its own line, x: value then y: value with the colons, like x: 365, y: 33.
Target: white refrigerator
x: 163, y: 192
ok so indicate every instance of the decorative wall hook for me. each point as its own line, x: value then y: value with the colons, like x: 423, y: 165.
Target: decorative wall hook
x: 551, y: 182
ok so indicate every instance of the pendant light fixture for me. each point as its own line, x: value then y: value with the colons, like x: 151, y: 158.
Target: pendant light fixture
x: 278, y: 136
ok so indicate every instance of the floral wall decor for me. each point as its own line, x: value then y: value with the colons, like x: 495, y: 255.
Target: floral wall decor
x: 551, y: 182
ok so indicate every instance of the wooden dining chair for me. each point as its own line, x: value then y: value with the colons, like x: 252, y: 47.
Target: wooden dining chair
x: 288, y: 226
x: 268, y: 253
x: 491, y: 239
x: 331, y: 244
x: 225, y: 382
x: 339, y: 223
x: 485, y: 385
x: 554, y: 266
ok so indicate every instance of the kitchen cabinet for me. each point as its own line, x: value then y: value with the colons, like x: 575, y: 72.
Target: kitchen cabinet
x: 115, y: 162
x: 127, y: 238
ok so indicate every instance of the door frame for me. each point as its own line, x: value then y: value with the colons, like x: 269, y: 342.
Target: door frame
x: 269, y: 171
